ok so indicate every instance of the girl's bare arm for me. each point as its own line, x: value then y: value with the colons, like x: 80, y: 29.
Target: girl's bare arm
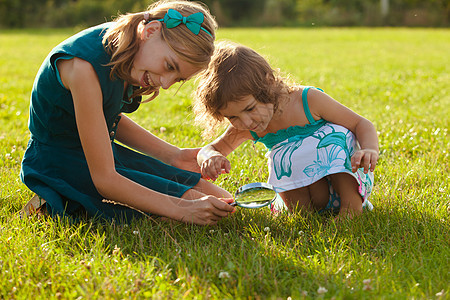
x: 212, y: 157
x: 225, y: 144
x: 325, y: 107
x: 136, y: 137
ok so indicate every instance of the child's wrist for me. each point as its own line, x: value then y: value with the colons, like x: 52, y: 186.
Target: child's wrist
x: 370, y: 149
x: 206, y: 153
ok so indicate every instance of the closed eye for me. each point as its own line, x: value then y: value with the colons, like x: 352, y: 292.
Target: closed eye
x: 170, y: 67
x: 250, y: 108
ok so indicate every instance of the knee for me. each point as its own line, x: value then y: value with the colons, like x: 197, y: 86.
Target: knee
x: 298, y: 200
x: 342, y: 182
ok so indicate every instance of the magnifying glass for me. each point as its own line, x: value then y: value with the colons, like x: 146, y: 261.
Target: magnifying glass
x: 254, y: 195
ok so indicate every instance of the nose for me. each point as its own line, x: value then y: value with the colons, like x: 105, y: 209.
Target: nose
x: 167, y: 81
x: 246, y: 120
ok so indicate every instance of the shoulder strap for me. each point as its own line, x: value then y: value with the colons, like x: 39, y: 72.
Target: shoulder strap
x: 305, y: 103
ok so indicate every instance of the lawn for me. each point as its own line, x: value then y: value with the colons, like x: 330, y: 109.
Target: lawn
x: 398, y: 78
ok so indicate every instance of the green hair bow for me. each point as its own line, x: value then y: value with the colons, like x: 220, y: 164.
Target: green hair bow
x: 173, y: 18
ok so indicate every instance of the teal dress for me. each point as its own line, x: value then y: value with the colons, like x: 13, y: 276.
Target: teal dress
x: 54, y: 165
x: 298, y: 156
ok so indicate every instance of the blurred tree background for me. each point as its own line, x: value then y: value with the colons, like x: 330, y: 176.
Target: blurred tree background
x: 83, y: 13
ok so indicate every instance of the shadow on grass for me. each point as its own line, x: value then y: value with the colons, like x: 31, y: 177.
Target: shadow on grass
x: 255, y: 254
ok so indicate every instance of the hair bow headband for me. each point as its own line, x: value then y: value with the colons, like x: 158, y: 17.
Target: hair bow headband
x: 173, y: 18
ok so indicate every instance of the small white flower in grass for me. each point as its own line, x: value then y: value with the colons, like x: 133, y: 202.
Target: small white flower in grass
x: 116, y: 250
x: 367, y: 286
x: 162, y: 129
x: 211, y: 231
x: 301, y: 233
x: 321, y: 290
x: 135, y: 232
x: 223, y: 275
x: 441, y: 293
x: 266, y: 229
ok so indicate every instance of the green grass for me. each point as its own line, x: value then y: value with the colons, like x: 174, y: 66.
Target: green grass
x: 398, y: 78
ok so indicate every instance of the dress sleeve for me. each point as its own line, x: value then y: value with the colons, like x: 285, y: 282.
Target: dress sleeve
x: 54, y: 59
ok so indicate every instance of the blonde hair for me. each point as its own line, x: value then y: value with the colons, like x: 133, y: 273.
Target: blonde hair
x: 235, y: 71
x: 122, y: 40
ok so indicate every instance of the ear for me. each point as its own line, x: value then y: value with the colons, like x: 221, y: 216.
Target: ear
x: 150, y: 29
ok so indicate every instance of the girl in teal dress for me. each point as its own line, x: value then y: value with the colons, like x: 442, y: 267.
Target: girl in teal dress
x: 321, y: 154
x: 78, y: 104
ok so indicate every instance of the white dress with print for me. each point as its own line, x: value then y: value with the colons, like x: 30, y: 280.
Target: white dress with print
x: 301, y: 155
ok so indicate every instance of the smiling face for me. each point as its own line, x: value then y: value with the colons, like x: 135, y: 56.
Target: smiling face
x: 156, y: 64
x: 248, y: 114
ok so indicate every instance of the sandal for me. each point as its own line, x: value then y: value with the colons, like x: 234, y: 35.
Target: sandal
x: 36, y: 206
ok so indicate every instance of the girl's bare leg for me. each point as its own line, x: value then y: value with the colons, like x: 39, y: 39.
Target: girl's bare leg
x: 310, y: 198
x: 203, y: 188
x: 347, y: 188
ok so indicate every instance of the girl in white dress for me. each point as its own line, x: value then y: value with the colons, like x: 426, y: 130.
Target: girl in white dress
x: 321, y: 155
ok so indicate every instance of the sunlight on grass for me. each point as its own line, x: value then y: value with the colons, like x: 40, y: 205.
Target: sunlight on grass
x: 396, y: 77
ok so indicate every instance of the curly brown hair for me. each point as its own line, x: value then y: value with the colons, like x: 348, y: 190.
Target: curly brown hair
x: 122, y: 40
x: 235, y: 71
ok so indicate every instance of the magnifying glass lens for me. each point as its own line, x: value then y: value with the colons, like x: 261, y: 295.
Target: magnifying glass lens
x: 254, y: 196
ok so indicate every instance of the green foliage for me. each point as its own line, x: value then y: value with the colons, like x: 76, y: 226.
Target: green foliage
x: 397, y: 78
x: 63, y: 13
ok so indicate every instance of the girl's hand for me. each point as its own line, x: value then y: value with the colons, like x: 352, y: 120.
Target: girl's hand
x: 212, y: 167
x: 207, y: 210
x: 364, y: 158
x: 187, y: 160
